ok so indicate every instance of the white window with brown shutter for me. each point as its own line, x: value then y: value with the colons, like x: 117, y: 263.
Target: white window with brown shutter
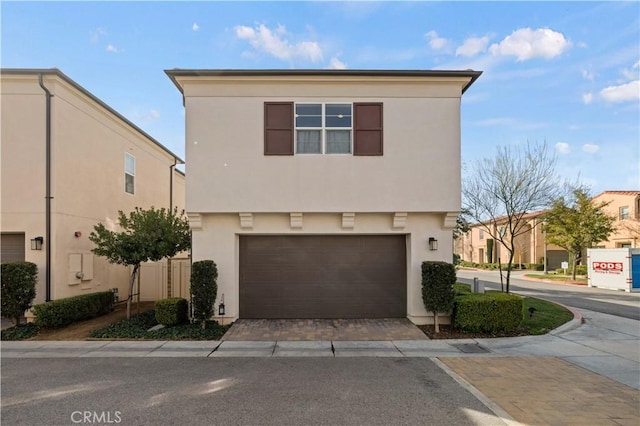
x: 323, y: 128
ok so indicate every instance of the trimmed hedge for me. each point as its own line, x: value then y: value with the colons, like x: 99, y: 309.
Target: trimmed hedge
x: 172, y: 311
x: 580, y: 270
x: 487, y: 312
x: 62, y: 312
x: 18, y: 288
x: 461, y: 289
x: 204, y: 289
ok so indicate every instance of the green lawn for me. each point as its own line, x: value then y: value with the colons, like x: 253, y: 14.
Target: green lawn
x: 546, y: 317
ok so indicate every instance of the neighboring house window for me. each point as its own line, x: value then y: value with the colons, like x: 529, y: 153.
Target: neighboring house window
x: 624, y: 213
x: 482, y: 234
x: 129, y: 173
x: 323, y: 128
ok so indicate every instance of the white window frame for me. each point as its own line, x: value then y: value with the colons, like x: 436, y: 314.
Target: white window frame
x: 624, y: 211
x: 126, y: 172
x: 323, y: 129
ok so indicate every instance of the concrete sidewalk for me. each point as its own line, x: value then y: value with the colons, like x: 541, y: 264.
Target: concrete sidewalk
x: 581, y: 373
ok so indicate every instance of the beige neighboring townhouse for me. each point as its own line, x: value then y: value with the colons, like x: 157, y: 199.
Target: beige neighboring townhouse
x: 70, y: 161
x: 319, y: 193
x: 530, y: 246
x: 478, y: 246
x: 625, y: 207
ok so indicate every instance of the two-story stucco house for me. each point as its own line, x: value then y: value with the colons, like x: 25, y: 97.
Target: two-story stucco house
x: 625, y: 207
x: 70, y: 161
x: 319, y: 193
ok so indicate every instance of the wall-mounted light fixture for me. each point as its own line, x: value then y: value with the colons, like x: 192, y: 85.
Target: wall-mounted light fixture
x: 77, y: 234
x: 36, y: 243
x: 433, y: 244
x: 221, y: 306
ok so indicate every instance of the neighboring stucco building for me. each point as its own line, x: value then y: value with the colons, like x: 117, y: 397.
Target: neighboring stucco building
x: 317, y: 192
x: 475, y: 245
x: 530, y: 246
x: 625, y: 207
x: 70, y: 161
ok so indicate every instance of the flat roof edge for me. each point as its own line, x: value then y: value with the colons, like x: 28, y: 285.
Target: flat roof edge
x: 178, y: 72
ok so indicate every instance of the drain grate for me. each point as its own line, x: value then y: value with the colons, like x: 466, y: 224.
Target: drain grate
x: 471, y: 348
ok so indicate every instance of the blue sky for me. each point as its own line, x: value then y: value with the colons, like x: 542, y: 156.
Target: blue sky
x: 562, y: 72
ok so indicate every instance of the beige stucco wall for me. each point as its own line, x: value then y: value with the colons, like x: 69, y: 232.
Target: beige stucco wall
x: 217, y: 238
x: 228, y: 172
x: 626, y: 231
x: 87, y: 157
x: 228, y: 175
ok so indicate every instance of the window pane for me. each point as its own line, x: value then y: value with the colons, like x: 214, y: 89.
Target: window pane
x: 129, y: 164
x: 338, y: 141
x: 309, y: 115
x: 308, y: 121
x: 129, y: 185
x: 308, y: 109
x: 309, y: 142
x: 338, y: 115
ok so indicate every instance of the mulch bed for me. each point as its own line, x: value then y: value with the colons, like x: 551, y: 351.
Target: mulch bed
x: 447, y: 332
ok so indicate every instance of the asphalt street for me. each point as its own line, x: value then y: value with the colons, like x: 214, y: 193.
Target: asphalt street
x: 612, y: 302
x: 258, y: 391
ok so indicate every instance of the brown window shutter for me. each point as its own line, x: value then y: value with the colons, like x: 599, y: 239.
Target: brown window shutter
x: 367, y: 128
x: 278, y: 128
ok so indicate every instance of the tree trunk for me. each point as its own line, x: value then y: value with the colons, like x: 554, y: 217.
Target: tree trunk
x: 573, y: 266
x: 132, y: 282
x: 436, y: 324
x: 509, y: 266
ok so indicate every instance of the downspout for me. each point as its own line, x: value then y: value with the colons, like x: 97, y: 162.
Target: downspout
x: 48, y: 197
x: 169, y: 271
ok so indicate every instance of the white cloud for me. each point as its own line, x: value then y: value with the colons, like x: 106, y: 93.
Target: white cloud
x: 276, y: 43
x: 111, y: 48
x: 526, y: 43
x: 563, y: 147
x: 195, y: 26
x: 97, y: 34
x: 336, y: 64
x: 472, y: 46
x: 587, y: 98
x: 633, y: 73
x: 436, y: 42
x: 622, y: 93
x: 590, y: 148
x: 588, y: 75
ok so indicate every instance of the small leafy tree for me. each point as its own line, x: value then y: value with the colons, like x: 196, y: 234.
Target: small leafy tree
x: 577, y: 224
x: 145, y: 235
x: 204, y: 289
x: 438, y: 279
x: 18, y: 288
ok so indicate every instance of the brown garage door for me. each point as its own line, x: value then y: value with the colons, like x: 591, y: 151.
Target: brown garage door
x: 11, y: 248
x: 325, y: 276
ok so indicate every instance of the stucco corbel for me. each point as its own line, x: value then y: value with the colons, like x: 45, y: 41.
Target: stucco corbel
x: 296, y: 220
x: 195, y: 221
x: 348, y: 220
x: 399, y: 220
x: 450, y: 220
x: 246, y: 220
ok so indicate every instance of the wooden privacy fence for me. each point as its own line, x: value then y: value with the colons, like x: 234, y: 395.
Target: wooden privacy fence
x: 153, y: 279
